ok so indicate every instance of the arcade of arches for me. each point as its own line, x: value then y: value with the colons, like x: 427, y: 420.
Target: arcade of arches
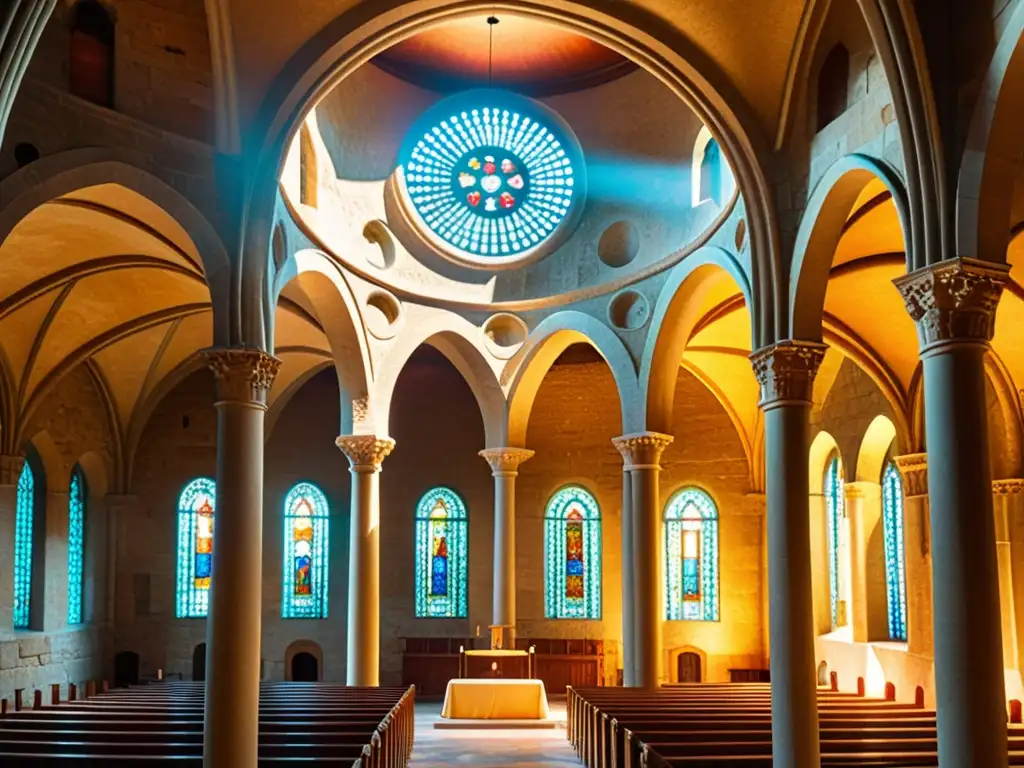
x: 694, y: 333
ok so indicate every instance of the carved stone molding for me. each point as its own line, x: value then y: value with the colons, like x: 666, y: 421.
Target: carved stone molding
x: 505, y: 461
x: 365, y: 453
x: 954, y: 300
x: 913, y: 468
x: 786, y: 371
x: 642, y: 450
x: 1008, y: 487
x: 10, y: 469
x: 244, y: 374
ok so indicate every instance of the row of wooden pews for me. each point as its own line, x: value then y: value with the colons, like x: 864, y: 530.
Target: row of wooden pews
x: 728, y: 724
x: 299, y: 722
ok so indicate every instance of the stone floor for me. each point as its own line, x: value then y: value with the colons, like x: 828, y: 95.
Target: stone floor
x: 494, y: 748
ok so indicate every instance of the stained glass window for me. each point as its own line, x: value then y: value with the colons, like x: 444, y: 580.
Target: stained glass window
x: 441, y: 554
x: 572, y: 554
x: 23, y: 525
x: 491, y: 174
x: 306, y: 553
x: 76, y: 546
x: 833, y: 520
x: 195, y: 548
x: 691, y: 557
x: 895, y: 562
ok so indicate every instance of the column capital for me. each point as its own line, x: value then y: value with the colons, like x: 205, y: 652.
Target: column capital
x: 10, y: 469
x: 505, y: 461
x: 244, y: 374
x: 642, y: 450
x: 365, y: 453
x: 1008, y: 487
x: 786, y: 371
x: 953, y: 301
x: 913, y: 468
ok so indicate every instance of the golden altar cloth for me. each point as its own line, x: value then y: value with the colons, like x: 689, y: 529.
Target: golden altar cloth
x: 495, y: 699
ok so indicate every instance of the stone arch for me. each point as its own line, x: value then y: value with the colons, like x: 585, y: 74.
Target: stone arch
x: 94, y: 468
x: 823, y: 448
x: 461, y: 343
x: 303, y: 647
x: 44, y: 455
x: 526, y: 370
x: 874, y: 448
x: 1007, y: 462
x: 820, y: 230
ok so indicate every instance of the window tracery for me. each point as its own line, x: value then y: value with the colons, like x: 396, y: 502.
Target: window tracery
x: 306, y: 553
x: 691, y: 557
x: 441, y: 555
x: 196, y: 506
x: 572, y: 554
x: 834, y: 512
x: 24, y: 523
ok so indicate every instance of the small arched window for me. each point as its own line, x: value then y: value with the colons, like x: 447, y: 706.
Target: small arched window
x: 834, y: 503
x: 441, y: 555
x: 572, y: 553
x: 306, y: 553
x: 691, y: 557
x: 895, y: 560
x: 92, y: 53
x: 24, y: 524
x: 308, y: 171
x: 712, y: 178
x: 76, y: 545
x: 833, y: 85
x: 195, y: 548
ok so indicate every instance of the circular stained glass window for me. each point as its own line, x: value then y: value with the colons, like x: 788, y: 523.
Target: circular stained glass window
x: 492, y: 178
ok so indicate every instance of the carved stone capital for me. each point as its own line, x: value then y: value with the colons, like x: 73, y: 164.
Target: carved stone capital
x: 1009, y: 487
x: 786, y: 372
x: 913, y: 468
x: 244, y: 374
x: 10, y: 469
x: 365, y: 453
x: 642, y: 450
x: 505, y: 461
x: 953, y: 301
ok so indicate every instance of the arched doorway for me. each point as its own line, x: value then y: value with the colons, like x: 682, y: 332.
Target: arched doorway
x: 199, y: 663
x: 126, y: 669
x: 688, y: 667
x: 305, y: 668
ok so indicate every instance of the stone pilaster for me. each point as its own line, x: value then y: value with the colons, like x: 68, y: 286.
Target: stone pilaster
x: 913, y: 469
x: 1008, y: 508
x: 10, y: 472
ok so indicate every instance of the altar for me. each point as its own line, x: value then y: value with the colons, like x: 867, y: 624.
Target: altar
x: 497, y: 663
x: 495, y: 699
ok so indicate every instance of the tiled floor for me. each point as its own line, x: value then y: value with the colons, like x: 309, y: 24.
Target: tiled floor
x: 491, y: 748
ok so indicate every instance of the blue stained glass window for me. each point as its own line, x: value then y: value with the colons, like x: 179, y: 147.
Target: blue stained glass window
x: 23, y: 525
x: 834, y: 502
x: 572, y: 555
x: 306, y: 553
x: 441, y: 555
x: 691, y: 557
x: 895, y: 561
x: 195, y: 548
x: 76, y: 546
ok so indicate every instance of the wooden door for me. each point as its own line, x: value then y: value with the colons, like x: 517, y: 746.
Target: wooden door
x: 688, y: 667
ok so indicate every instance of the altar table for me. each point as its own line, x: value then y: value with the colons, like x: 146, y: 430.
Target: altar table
x: 510, y: 663
x: 495, y: 699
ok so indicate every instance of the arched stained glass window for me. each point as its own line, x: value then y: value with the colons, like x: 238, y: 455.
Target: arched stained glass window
x: 76, y: 545
x: 441, y: 553
x: 834, y: 502
x: 895, y: 562
x: 572, y: 553
x: 691, y: 557
x: 306, y: 553
x: 23, y: 528
x: 195, y: 548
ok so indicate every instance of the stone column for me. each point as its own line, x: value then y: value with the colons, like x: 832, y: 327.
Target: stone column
x: 913, y: 469
x: 10, y: 471
x: 953, y: 303
x: 21, y: 25
x: 628, y: 588
x: 863, y: 512
x: 785, y: 372
x: 1010, y: 493
x: 642, y: 455
x: 244, y: 377
x: 1006, y: 499
x: 365, y: 454
x: 504, y: 464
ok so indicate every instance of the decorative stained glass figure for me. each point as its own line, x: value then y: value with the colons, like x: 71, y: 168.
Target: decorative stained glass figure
x: 195, y: 548
x: 691, y: 557
x: 895, y: 560
x: 441, y: 555
x: 572, y: 554
x: 306, y: 553
x: 76, y: 545
x: 23, y: 525
x: 834, y: 502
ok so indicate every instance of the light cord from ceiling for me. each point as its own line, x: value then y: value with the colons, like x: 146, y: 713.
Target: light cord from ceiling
x: 491, y: 22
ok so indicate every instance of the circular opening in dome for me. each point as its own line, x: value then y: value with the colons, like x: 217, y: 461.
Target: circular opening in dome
x: 382, y: 312
x: 619, y: 244
x: 491, y: 179
x: 504, y: 333
x: 628, y: 311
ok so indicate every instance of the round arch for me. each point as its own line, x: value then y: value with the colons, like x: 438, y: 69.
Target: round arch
x: 1007, y: 462
x: 874, y: 447
x: 303, y: 646
x: 823, y: 447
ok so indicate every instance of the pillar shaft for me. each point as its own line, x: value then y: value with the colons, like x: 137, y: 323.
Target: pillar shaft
x: 10, y: 472
x: 642, y: 456
x: 954, y: 304
x: 365, y: 453
x: 504, y: 463
x: 628, y: 587
x: 1006, y: 495
x: 231, y: 728
x: 786, y: 373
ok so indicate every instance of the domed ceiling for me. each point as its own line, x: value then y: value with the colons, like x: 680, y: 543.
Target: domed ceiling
x: 529, y: 56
